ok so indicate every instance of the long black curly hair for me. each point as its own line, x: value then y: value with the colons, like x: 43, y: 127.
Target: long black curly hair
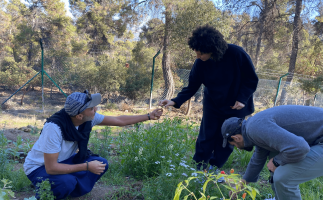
x: 207, y: 39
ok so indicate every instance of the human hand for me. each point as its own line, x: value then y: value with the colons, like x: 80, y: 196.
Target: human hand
x: 271, y: 165
x: 166, y: 103
x: 96, y: 167
x: 156, y: 114
x: 238, y: 105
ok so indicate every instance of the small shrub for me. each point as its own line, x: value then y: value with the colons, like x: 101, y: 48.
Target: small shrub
x: 5, y: 192
x: 111, y: 106
x: 44, y: 190
x: 4, y: 151
x: 125, y: 106
x: 144, y: 152
x: 233, y: 184
x: 101, y: 142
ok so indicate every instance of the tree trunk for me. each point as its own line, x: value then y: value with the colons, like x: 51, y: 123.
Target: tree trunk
x: 23, y: 95
x: 261, y: 30
x: 30, y: 53
x: 167, y: 73
x: 292, y: 62
x: 189, y: 106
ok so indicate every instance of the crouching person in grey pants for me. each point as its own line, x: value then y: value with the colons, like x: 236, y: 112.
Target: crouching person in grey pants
x: 293, y: 133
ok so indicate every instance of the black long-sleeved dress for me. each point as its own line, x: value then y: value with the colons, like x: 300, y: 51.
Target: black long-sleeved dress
x: 231, y: 79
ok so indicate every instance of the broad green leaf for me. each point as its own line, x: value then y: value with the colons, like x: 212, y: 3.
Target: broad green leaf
x: 178, y: 191
x: 205, y: 184
x: 185, y: 198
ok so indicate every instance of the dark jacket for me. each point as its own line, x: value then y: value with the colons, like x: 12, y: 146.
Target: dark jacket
x: 231, y: 79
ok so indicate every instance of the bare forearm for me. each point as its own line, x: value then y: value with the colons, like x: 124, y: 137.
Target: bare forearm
x: 128, y: 119
x: 59, y: 168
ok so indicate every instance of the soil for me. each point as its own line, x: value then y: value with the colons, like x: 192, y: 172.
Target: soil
x: 23, y: 132
x: 99, y: 192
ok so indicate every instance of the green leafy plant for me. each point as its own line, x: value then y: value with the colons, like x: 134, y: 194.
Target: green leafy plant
x: 101, y: 142
x: 44, y: 190
x: 145, y: 151
x: 3, y: 152
x: 5, y: 192
x: 17, y: 146
x: 34, y: 130
x: 27, y: 146
x: 233, y: 181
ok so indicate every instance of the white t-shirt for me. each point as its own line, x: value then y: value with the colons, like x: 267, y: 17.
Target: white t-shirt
x: 51, y: 141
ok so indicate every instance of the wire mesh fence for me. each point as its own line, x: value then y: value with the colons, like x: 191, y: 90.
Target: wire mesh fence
x: 121, y: 85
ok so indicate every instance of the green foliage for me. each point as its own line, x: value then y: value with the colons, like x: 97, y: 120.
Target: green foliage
x: 145, y: 152
x: 234, y: 184
x: 312, y: 86
x: 312, y: 190
x: 101, y: 142
x: 44, y: 190
x: 111, y: 106
x: 5, y: 192
x: 138, y: 76
x: 4, y: 151
x: 19, y: 180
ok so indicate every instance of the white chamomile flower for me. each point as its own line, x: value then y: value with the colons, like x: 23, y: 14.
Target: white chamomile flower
x: 194, y: 174
x: 157, y: 162
x: 172, y: 169
x: 184, y: 174
x: 169, y: 174
x: 172, y: 165
x: 177, y: 154
x: 162, y: 156
x: 136, y: 158
x: 183, y: 164
x: 192, y: 169
x: 169, y: 161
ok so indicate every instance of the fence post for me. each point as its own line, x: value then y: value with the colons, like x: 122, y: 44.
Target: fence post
x: 42, y: 74
x: 152, y: 80
x: 280, y: 79
x: 42, y: 78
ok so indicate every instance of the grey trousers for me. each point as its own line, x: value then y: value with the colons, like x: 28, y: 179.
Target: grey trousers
x: 288, y: 177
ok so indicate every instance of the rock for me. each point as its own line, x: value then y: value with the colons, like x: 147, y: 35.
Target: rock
x: 27, y: 130
x: 126, y: 111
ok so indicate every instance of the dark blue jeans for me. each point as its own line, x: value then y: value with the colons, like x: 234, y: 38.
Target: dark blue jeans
x: 74, y: 184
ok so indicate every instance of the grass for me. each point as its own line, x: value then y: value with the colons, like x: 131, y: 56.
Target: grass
x: 148, y: 163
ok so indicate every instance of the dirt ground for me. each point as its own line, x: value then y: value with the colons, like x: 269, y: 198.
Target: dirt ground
x: 99, y: 192
x: 23, y: 132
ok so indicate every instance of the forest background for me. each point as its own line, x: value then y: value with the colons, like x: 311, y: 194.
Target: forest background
x: 108, y: 46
